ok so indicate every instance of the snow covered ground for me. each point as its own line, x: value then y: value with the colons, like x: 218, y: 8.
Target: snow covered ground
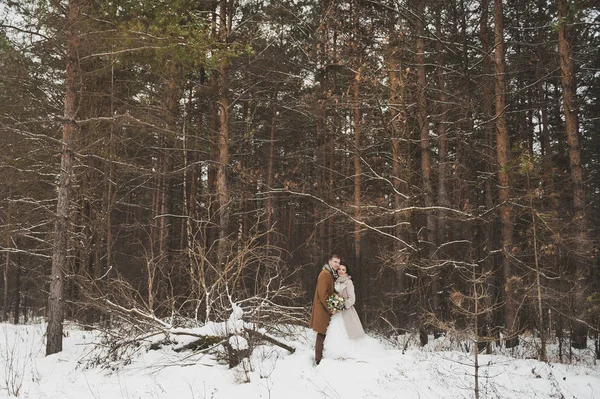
x: 435, y: 371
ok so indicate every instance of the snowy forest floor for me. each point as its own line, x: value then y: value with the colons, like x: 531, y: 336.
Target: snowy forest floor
x: 442, y: 369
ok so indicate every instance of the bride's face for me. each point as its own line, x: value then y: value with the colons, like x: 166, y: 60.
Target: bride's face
x: 342, y: 270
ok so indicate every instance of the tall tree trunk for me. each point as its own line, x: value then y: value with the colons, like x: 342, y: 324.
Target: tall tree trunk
x: 503, y: 152
x: 489, y: 157
x: 290, y: 227
x: 271, y: 168
x: 488, y: 111
x: 542, y: 100
x: 246, y: 189
x: 321, y: 125
x: 5, y: 304
x: 110, y: 183
x: 429, y: 235
x: 223, y: 141
x: 567, y: 69
x: 360, y: 274
x: 213, y: 165
x: 17, y: 292
x: 54, y: 330
x: 172, y: 97
x: 330, y: 220
x: 8, y: 243
x: 466, y: 164
x: 156, y: 196
x: 422, y: 117
x: 332, y: 138
x: 442, y: 135
x: 567, y: 73
x: 195, y: 186
x: 543, y: 357
x: 357, y: 189
x: 400, y: 142
x: 195, y: 173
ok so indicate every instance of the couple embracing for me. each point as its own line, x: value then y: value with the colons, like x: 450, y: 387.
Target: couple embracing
x: 339, y: 333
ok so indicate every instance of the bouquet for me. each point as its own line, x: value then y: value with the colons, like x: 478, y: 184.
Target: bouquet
x: 335, y: 303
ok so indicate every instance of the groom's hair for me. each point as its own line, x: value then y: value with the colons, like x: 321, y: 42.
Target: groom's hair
x: 334, y: 256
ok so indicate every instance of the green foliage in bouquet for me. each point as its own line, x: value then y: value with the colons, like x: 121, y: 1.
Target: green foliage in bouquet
x: 336, y: 303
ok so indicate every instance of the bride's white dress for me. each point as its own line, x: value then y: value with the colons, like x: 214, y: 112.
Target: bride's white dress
x: 339, y: 346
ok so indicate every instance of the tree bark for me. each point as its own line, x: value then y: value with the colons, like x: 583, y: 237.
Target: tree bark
x: 503, y: 154
x: 213, y: 165
x: 567, y: 69
x: 54, y: 330
x: 333, y: 132
x: 400, y: 159
x: 442, y: 136
x: 489, y: 156
x: 17, y: 293
x: 422, y: 117
x: 223, y: 139
x: 567, y: 74
x: 321, y: 124
x: 356, y: 115
x: 487, y: 109
x: 171, y: 109
x: 270, y: 169
x: 6, y: 271
x: 542, y: 100
x: 194, y: 183
x: 429, y: 233
x: 111, y: 177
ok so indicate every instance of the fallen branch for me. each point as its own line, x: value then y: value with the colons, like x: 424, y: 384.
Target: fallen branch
x: 204, y: 342
x: 141, y: 313
x: 270, y: 340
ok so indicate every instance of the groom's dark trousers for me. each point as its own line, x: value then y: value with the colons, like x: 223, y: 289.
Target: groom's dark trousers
x: 319, y: 347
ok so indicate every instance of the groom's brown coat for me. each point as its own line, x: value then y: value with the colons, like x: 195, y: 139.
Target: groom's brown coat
x: 320, y: 316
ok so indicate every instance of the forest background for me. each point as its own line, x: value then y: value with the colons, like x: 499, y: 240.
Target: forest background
x: 163, y: 160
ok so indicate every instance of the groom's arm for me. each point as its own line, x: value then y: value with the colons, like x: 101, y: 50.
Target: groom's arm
x: 322, y: 290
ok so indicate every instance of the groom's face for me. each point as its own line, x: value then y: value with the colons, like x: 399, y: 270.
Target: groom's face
x: 334, y: 263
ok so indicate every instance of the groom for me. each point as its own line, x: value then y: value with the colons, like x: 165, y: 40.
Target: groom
x: 320, y: 316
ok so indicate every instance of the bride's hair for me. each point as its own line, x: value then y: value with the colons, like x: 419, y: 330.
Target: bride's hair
x: 347, y: 268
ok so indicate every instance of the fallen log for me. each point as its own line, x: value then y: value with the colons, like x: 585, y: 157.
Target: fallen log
x: 204, y: 342
x: 271, y: 340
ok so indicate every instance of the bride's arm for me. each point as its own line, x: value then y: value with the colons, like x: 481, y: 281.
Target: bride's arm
x: 351, y: 295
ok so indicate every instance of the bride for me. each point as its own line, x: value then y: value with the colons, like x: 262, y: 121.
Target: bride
x: 345, y: 336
